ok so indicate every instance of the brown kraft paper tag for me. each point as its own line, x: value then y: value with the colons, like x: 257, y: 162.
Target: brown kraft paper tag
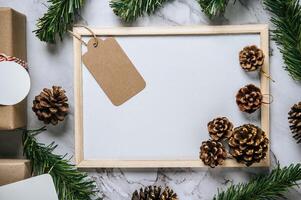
x: 113, y: 70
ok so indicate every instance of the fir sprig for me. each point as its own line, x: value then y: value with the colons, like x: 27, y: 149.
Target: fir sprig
x: 130, y: 10
x: 287, y: 34
x: 268, y: 187
x: 213, y: 8
x: 58, y: 19
x: 69, y: 182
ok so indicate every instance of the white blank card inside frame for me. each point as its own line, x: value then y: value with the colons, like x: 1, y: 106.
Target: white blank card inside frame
x: 192, y: 75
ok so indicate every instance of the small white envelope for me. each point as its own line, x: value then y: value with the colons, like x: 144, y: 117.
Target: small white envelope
x: 36, y: 188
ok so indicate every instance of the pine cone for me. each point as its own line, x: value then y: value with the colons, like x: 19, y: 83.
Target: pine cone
x: 154, y: 193
x: 248, y: 144
x: 168, y: 194
x: 251, y: 58
x: 220, y: 128
x: 249, y: 98
x: 213, y: 153
x: 51, y: 105
x: 295, y: 121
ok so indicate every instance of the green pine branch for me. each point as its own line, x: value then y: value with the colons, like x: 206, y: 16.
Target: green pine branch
x: 287, y: 34
x: 213, y: 8
x: 268, y: 187
x: 130, y: 10
x: 69, y: 182
x: 58, y: 19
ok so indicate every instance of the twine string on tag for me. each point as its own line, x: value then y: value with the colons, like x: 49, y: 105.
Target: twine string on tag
x: 271, y: 97
x: 4, y: 57
x: 95, y: 44
x: 267, y: 75
x: 77, y: 37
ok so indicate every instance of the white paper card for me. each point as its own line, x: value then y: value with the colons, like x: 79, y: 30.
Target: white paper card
x: 14, y: 83
x: 36, y: 188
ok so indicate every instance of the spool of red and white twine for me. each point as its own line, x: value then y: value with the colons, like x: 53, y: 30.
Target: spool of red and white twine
x: 4, y: 57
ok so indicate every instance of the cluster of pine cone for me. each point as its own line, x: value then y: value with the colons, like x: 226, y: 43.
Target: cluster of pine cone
x: 154, y: 193
x: 248, y: 143
x: 249, y: 97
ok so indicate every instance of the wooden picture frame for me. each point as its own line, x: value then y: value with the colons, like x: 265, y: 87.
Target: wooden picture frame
x: 80, y: 32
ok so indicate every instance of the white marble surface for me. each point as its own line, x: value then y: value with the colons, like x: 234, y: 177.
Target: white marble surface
x: 53, y: 65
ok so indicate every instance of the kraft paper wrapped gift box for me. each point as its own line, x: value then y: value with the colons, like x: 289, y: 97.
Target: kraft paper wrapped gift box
x: 13, y: 170
x: 13, y: 43
x: 13, y: 166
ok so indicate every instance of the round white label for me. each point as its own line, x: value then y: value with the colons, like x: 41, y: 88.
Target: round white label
x: 14, y: 83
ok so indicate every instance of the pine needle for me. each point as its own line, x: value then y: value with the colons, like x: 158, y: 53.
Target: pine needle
x: 268, y: 187
x: 130, y: 10
x: 287, y: 34
x: 69, y: 182
x: 213, y: 8
x: 58, y: 19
